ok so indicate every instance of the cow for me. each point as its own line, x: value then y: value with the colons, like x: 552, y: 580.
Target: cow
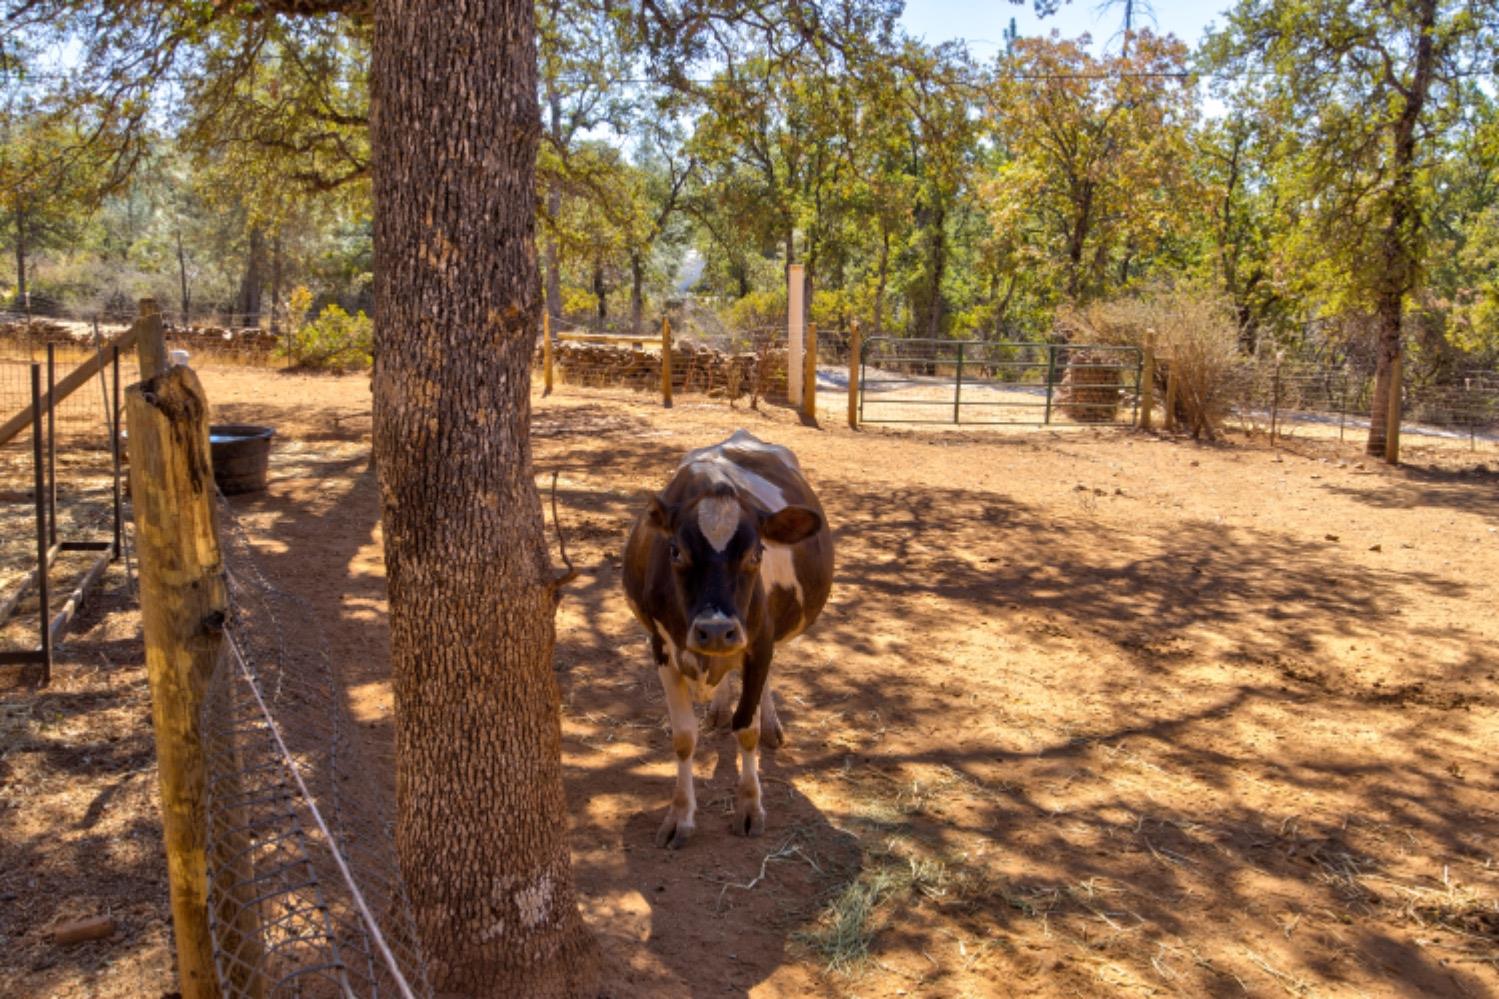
x: 731, y: 559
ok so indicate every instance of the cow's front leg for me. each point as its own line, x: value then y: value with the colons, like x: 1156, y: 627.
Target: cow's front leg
x: 749, y: 809
x: 678, y: 826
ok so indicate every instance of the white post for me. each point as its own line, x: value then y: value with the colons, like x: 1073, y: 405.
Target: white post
x: 796, y: 291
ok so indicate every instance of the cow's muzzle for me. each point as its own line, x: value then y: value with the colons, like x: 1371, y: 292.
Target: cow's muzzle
x: 715, y: 634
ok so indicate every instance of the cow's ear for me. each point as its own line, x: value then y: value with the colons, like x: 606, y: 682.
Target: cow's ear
x: 659, y: 515
x: 790, y: 525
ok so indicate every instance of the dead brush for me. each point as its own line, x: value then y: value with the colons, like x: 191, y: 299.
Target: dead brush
x: 1195, y: 338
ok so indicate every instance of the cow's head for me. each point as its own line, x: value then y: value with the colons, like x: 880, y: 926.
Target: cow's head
x: 715, y: 544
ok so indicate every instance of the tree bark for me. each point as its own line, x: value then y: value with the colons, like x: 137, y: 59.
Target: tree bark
x: 938, y: 268
x: 1401, y: 236
x: 553, y: 274
x: 600, y: 291
x: 182, y: 278
x: 554, y: 212
x: 637, y: 292
x: 481, y: 823
x: 275, y: 280
x: 248, y: 304
x: 21, y: 259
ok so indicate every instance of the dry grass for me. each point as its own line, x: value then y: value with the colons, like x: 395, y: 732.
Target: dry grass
x: 1195, y: 339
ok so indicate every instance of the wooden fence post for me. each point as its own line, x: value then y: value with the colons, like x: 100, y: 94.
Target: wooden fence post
x: 1392, y: 415
x: 809, y: 373
x: 666, y: 362
x: 546, y: 353
x: 184, y: 601
x: 1147, y: 384
x: 1168, y: 421
x: 150, y: 345
x: 855, y: 348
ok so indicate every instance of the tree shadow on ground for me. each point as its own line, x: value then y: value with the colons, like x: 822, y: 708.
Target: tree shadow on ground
x: 1466, y: 490
x: 1160, y: 794
x: 1175, y: 779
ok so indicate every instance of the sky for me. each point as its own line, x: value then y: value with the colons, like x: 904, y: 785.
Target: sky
x: 982, y: 22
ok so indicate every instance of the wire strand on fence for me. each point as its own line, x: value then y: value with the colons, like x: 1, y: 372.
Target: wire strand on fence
x: 317, y: 817
x: 305, y: 894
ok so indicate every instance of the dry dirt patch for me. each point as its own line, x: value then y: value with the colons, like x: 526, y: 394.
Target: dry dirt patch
x: 1088, y: 713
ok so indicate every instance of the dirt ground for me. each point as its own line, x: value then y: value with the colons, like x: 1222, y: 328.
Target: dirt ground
x: 1088, y: 713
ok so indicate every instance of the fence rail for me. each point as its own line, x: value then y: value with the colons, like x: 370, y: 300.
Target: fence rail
x: 983, y: 382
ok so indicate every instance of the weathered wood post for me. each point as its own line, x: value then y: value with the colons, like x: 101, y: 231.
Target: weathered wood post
x: 809, y: 374
x: 184, y: 601
x: 150, y: 344
x: 1168, y: 421
x: 1392, y: 415
x: 546, y: 353
x: 666, y: 362
x: 1147, y: 384
x: 855, y: 349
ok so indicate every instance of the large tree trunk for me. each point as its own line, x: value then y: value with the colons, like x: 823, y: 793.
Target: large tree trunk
x: 275, y: 281
x: 938, y: 266
x: 600, y: 292
x: 481, y: 816
x: 884, y: 276
x: 248, y: 303
x: 182, y: 277
x: 554, y: 213
x: 637, y: 292
x: 1400, y: 238
x: 21, y: 261
x: 553, y: 268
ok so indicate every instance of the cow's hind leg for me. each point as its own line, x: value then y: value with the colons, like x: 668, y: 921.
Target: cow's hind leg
x: 771, y: 732
x: 721, y: 709
x: 679, y: 823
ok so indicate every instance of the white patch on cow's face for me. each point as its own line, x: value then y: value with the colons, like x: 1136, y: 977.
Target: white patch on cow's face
x: 718, y: 519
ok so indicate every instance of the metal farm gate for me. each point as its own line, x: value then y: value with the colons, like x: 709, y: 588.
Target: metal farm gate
x: 979, y: 382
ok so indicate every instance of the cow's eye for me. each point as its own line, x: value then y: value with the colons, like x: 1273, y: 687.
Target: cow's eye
x: 752, y: 560
x: 678, y: 557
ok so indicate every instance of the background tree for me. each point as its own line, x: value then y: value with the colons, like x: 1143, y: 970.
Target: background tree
x: 1367, y: 95
x: 1096, y: 162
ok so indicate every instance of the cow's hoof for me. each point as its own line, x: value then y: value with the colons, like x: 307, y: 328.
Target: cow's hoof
x: 749, y: 819
x: 771, y: 733
x: 674, y: 832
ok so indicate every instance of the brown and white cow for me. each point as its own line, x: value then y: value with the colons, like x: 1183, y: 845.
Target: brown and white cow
x: 733, y: 557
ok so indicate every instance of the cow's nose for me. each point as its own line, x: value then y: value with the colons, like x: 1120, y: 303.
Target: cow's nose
x: 716, y: 633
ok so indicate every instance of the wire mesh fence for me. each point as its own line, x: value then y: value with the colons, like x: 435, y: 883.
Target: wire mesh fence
x: 305, y: 895
x: 1287, y: 398
x: 79, y: 506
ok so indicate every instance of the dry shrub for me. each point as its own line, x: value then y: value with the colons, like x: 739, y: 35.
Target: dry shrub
x: 1195, y: 337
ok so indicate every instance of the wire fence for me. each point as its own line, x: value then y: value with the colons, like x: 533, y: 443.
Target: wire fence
x: 79, y: 491
x: 204, y: 339
x: 1288, y: 397
x: 305, y: 894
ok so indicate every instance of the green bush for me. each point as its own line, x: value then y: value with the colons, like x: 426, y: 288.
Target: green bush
x: 334, y: 340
